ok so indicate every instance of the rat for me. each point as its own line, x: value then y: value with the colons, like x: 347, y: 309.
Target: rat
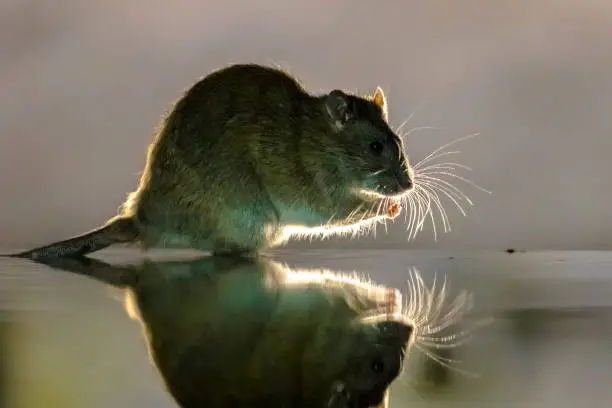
x: 251, y: 332
x: 248, y: 158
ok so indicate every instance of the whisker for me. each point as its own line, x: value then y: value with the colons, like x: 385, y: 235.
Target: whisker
x: 419, y: 106
x: 437, y: 306
x: 435, y: 157
x: 414, y: 129
x: 385, y: 205
x: 445, y: 342
x: 440, y: 185
x: 399, y: 128
x: 437, y: 204
x: 432, y: 186
x: 422, y: 209
x: 430, y: 313
x: 446, y: 362
x: 350, y: 215
x: 429, y: 212
x: 452, y: 192
x: 456, y: 312
x: 380, y: 204
x: 439, y: 358
x: 464, y: 179
x: 405, y: 202
x: 444, y: 146
x: 444, y: 165
x: 413, y: 214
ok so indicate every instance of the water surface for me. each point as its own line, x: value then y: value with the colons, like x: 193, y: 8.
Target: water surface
x: 67, y: 341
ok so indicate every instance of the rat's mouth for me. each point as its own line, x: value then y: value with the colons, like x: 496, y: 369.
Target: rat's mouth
x: 394, y: 187
x: 342, y: 397
x: 372, y: 400
x: 385, y: 206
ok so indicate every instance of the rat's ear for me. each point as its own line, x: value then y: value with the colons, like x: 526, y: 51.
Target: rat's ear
x: 380, y: 100
x: 338, y: 107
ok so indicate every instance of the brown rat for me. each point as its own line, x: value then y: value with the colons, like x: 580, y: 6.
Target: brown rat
x: 238, y: 332
x: 247, y: 158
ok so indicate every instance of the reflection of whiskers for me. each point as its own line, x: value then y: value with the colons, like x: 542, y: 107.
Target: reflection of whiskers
x: 430, y: 314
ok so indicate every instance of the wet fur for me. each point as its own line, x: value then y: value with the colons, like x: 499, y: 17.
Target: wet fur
x: 230, y: 332
x: 248, y: 158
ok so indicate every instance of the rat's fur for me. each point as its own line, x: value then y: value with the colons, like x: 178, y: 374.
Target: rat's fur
x: 247, y: 158
x: 230, y: 332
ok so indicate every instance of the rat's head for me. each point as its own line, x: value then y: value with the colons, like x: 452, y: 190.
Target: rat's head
x: 371, y: 359
x: 371, y: 155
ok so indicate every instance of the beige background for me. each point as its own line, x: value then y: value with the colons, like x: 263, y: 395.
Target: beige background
x: 82, y: 84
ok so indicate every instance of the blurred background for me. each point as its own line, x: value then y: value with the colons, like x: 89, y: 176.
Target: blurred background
x: 83, y: 85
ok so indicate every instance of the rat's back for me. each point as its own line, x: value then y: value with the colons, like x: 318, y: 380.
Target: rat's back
x: 228, y: 102
x: 225, y: 119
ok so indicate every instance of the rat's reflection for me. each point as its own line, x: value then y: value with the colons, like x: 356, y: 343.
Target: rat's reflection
x: 229, y: 332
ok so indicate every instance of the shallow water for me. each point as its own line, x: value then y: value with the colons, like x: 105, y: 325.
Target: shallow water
x: 67, y: 341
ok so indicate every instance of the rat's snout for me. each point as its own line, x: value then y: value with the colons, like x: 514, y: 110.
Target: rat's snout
x: 397, y: 331
x: 404, y: 179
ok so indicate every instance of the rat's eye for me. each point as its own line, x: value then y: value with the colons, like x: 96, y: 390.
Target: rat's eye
x: 376, y: 147
x: 377, y: 365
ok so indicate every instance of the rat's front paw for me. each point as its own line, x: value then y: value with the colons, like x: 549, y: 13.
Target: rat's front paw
x: 394, y: 207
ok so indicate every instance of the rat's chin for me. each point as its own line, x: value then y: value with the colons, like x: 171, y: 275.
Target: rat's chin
x: 342, y: 397
x: 369, y: 400
x: 387, y: 206
x: 386, y: 191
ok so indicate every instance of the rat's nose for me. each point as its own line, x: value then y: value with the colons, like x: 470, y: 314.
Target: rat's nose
x: 398, y: 330
x: 405, y: 181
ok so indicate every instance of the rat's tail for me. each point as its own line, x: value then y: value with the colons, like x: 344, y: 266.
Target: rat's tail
x: 116, y: 231
x: 120, y: 276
